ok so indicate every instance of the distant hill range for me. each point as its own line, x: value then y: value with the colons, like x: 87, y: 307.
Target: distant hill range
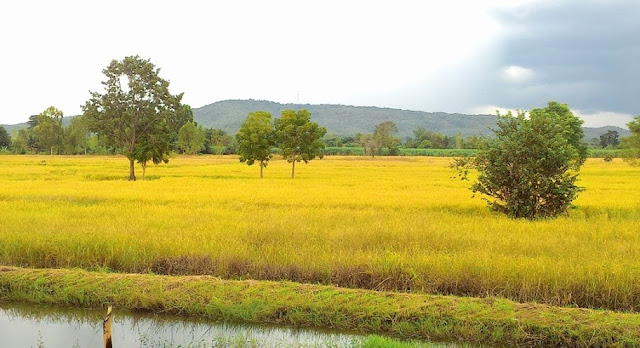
x: 345, y: 120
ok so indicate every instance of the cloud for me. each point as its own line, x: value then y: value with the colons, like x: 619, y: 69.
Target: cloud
x: 604, y: 118
x: 517, y: 74
x: 583, y: 53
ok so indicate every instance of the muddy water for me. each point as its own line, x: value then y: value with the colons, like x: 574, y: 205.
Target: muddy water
x: 38, y: 326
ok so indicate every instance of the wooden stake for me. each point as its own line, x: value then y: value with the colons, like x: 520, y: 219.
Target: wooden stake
x: 106, y: 328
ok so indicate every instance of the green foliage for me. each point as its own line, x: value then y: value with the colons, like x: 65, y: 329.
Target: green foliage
x: 49, y: 130
x: 609, y: 139
x: 140, y: 117
x: 77, y: 136
x: 631, y: 144
x: 529, y: 169
x: 382, y: 137
x: 426, y: 139
x: 298, y: 138
x: 5, y: 138
x: 255, y: 139
x: 191, y: 138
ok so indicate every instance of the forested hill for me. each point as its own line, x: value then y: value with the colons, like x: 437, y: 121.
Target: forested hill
x: 345, y: 120
x: 228, y: 115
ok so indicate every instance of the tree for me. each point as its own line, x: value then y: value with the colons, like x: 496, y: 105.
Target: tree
x: 529, y: 169
x: 77, y: 136
x: 370, y: 143
x: 631, y: 144
x: 383, y: 135
x: 49, y: 129
x: 5, y: 138
x: 191, y: 138
x: 255, y: 139
x: 153, y: 148
x: 610, y: 139
x: 135, y: 110
x: 298, y: 138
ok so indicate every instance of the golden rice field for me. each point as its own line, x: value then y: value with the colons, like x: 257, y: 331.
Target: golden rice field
x: 385, y: 223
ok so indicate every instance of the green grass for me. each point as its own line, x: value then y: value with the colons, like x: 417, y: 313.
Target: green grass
x: 410, y: 316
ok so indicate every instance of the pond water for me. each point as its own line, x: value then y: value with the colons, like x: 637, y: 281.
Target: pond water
x: 38, y: 326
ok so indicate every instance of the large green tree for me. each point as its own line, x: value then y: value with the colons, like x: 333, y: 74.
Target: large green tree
x: 610, y: 139
x: 134, y: 110
x: 631, y: 144
x: 529, y: 169
x: 49, y: 129
x: 5, y: 138
x: 298, y: 138
x: 77, y: 136
x: 191, y: 138
x: 255, y: 139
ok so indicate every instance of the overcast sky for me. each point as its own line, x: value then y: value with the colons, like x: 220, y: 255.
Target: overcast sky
x: 454, y: 56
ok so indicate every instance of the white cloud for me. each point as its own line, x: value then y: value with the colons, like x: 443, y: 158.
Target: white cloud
x: 604, y: 118
x: 591, y: 119
x: 517, y: 74
x: 491, y: 110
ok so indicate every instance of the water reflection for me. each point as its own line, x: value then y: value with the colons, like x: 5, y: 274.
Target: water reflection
x: 41, y: 326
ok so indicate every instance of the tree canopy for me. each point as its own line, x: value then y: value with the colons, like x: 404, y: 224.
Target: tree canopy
x: 255, y: 139
x: 529, y: 169
x: 631, y: 144
x: 191, y: 138
x: 5, y: 138
x: 136, y: 112
x: 48, y: 129
x: 298, y: 138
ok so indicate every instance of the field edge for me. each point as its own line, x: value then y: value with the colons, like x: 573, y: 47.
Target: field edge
x: 401, y: 315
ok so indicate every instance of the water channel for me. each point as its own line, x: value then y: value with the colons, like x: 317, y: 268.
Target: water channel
x: 41, y: 326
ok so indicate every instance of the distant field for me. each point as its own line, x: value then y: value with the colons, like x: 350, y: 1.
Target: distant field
x: 394, y: 223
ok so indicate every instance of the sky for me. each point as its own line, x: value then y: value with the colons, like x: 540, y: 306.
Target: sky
x: 454, y: 56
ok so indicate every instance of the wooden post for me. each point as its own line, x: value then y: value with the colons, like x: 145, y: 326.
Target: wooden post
x: 106, y: 328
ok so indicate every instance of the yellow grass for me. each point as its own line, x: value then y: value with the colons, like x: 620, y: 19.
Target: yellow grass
x: 387, y: 223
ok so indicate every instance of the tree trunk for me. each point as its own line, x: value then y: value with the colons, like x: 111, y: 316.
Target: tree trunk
x: 132, y: 172
x: 144, y: 169
x: 293, y: 169
x: 51, y: 150
x: 106, y: 329
x: 261, y: 168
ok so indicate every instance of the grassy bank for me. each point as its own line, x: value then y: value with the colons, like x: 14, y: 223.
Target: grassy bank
x: 489, y: 320
x: 397, y: 224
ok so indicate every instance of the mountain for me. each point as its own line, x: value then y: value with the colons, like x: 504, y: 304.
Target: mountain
x: 18, y: 126
x: 590, y: 133
x: 228, y: 115
x: 346, y: 120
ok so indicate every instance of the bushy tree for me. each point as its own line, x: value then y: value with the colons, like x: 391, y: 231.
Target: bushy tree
x: 255, y: 139
x: 77, y: 136
x: 298, y: 138
x: 5, y: 138
x: 609, y: 139
x: 49, y: 129
x: 529, y: 169
x: 191, y: 138
x: 631, y: 144
x: 135, y: 111
x: 381, y: 137
x: 427, y: 139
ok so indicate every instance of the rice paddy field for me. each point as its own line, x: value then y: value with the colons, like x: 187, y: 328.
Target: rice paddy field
x: 392, y: 223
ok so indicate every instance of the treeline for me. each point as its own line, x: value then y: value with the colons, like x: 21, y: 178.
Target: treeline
x: 46, y: 135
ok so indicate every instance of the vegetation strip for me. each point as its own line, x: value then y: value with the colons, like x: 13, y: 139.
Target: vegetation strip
x: 488, y: 320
